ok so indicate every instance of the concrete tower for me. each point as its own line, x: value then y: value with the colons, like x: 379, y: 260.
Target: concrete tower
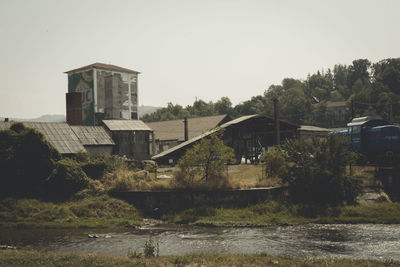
x: 101, y: 91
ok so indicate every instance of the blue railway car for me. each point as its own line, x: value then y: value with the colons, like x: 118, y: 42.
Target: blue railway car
x: 383, y: 143
x: 375, y: 138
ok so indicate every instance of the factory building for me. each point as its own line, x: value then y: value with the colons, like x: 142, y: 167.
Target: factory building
x: 101, y: 91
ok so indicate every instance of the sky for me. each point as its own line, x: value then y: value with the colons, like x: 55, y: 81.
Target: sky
x: 184, y: 49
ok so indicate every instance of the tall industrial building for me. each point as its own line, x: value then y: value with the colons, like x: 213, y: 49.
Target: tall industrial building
x: 101, y: 92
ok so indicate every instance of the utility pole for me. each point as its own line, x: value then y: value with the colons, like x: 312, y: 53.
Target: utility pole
x: 277, y: 133
x: 186, y: 130
x: 352, y: 109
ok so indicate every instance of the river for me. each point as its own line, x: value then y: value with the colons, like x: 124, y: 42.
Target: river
x: 359, y: 241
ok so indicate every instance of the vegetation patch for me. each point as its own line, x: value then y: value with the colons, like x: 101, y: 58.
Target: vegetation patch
x: 41, y: 258
x: 204, y: 166
x: 100, y: 211
x: 279, y: 213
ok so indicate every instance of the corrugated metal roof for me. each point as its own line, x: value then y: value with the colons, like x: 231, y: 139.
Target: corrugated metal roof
x: 98, y: 65
x: 239, y: 120
x: 188, y: 142
x: 310, y: 128
x: 174, y: 129
x: 362, y: 120
x: 126, y: 125
x: 92, y: 135
x: 60, y: 135
x: 225, y: 125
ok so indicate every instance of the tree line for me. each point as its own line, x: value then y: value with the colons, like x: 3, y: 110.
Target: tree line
x: 373, y: 88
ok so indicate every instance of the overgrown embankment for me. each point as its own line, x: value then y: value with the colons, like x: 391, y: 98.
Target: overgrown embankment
x: 91, y: 212
x: 40, y: 258
x: 272, y: 213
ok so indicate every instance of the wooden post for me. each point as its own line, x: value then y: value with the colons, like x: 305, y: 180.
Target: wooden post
x: 352, y: 109
x: 153, y: 143
x: 277, y: 133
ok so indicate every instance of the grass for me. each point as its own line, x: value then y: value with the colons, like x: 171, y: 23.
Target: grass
x: 364, y: 173
x: 273, y: 213
x: 95, y: 211
x: 239, y: 176
x: 250, y: 176
x: 40, y: 258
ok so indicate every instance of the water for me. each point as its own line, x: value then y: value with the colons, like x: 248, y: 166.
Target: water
x: 361, y: 241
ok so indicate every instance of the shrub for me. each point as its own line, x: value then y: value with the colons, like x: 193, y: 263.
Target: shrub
x: 26, y: 160
x: 66, y: 179
x: 82, y: 156
x: 204, y: 165
x: 95, y: 168
x: 275, y: 163
x: 150, y: 250
x: 316, y: 171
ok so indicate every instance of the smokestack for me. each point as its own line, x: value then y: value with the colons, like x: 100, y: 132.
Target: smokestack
x: 185, y: 121
x: 74, y: 108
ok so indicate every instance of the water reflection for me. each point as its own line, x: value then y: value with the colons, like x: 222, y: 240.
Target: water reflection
x: 347, y: 241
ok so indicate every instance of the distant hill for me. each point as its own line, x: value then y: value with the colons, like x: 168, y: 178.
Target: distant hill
x: 43, y: 118
x: 143, y: 110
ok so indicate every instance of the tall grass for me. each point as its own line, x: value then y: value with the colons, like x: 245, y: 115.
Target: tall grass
x: 92, y: 211
x: 273, y: 212
x: 40, y: 258
x: 126, y: 179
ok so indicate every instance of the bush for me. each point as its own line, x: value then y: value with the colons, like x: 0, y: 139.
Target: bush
x: 316, y: 171
x: 26, y: 160
x: 150, y: 250
x: 275, y: 163
x: 96, y: 168
x: 66, y: 179
x: 204, y: 165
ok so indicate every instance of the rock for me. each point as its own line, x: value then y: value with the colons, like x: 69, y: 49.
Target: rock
x: 164, y: 176
x: 93, y: 236
x: 373, y: 197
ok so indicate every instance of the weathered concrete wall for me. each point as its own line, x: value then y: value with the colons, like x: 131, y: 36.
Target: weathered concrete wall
x: 162, y: 145
x: 99, y: 150
x: 117, y: 94
x: 133, y: 144
x: 164, y: 201
x: 83, y: 82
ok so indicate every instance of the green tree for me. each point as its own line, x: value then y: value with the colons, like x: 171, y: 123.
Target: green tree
x: 223, y: 106
x: 316, y: 171
x: 204, y: 165
x: 295, y: 106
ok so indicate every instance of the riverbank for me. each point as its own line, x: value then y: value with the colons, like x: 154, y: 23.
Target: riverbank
x: 107, y: 212
x: 278, y: 213
x: 90, y: 212
x: 41, y: 258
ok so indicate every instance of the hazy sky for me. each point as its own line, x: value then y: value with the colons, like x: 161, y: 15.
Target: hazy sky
x: 183, y: 48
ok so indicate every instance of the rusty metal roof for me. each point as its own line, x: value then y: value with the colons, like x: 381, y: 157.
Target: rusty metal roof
x: 98, y: 65
x: 225, y: 125
x: 60, y: 135
x: 92, y: 135
x: 126, y: 125
x: 174, y: 129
